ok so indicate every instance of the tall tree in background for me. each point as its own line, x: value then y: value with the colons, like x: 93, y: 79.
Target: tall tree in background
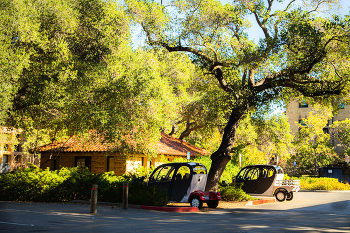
x: 312, y: 144
x: 341, y: 131
x: 261, y: 137
x: 274, y: 136
x: 299, y: 54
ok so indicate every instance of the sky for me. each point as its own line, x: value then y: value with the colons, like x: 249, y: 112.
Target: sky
x: 256, y: 33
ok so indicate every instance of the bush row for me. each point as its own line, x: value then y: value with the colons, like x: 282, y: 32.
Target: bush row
x: 68, y: 184
x: 320, y: 183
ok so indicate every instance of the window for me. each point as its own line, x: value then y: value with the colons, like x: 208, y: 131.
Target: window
x: 341, y: 105
x: 83, y: 161
x: 302, y: 122
x: 110, y: 163
x: 252, y: 174
x: 18, y: 148
x: 183, y: 171
x: 199, y: 170
x: 303, y: 104
x: 326, y: 130
x: 145, y: 162
x: 266, y: 172
x: 165, y: 174
x: 18, y: 158
x: 56, y: 163
x: 5, y: 159
x: 242, y: 173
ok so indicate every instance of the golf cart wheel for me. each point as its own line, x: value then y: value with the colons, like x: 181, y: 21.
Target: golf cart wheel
x: 213, y: 204
x: 280, y: 195
x: 289, y: 196
x: 196, y: 202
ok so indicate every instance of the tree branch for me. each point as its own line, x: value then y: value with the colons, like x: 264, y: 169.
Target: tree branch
x: 223, y: 84
x: 262, y: 26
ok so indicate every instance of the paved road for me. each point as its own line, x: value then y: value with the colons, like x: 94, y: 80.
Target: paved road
x: 308, y: 212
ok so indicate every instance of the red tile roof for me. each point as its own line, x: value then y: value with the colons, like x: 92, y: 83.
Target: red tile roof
x: 167, y: 145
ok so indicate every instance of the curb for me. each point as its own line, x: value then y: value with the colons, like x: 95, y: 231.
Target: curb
x: 260, y: 202
x: 131, y: 206
x: 171, y: 209
x: 324, y: 191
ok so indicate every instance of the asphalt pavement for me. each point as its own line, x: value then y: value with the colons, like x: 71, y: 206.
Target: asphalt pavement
x: 307, y: 212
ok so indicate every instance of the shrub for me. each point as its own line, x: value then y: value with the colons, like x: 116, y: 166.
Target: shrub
x: 234, y: 192
x: 320, y: 183
x: 67, y: 184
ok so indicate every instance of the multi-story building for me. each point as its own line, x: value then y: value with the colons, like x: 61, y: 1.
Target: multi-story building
x: 296, y: 111
x: 12, y: 155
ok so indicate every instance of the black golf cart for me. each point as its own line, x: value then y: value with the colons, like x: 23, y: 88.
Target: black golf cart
x: 267, y: 180
x: 184, y: 182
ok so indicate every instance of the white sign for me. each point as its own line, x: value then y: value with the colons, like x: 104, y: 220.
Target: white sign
x: 188, y: 155
x: 330, y: 171
x: 347, y: 159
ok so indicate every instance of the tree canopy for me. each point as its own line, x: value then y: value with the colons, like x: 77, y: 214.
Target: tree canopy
x: 68, y: 67
x: 341, y: 131
x: 299, y: 54
x: 312, y: 144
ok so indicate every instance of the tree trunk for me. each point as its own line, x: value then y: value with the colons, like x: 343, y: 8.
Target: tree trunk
x: 223, y: 155
x: 315, y: 164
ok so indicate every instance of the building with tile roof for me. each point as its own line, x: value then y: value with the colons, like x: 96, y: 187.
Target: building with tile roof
x: 103, y: 157
x: 12, y: 155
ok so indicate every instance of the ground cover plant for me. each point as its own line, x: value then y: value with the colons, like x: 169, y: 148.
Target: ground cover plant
x: 68, y: 184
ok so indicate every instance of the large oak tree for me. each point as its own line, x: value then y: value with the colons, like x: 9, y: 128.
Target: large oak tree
x: 68, y: 67
x: 299, y: 53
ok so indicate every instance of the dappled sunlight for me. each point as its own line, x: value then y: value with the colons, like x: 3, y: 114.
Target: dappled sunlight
x: 311, y: 212
x: 316, y: 229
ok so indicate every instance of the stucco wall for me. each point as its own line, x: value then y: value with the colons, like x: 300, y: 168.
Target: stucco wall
x: 121, y: 166
x: 294, y: 114
x: 98, y: 161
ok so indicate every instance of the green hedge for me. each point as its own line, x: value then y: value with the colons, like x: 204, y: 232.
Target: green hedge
x: 319, y: 183
x: 322, y: 183
x: 68, y: 184
x: 234, y: 192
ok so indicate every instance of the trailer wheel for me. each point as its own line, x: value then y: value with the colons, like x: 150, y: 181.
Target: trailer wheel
x: 213, y: 203
x: 289, y: 196
x: 196, y: 202
x: 280, y: 195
